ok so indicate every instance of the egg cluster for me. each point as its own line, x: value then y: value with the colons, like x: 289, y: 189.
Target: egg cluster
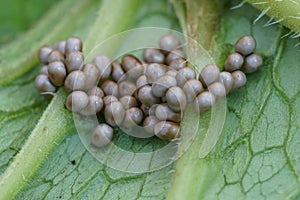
x: 153, y: 92
x: 59, y: 61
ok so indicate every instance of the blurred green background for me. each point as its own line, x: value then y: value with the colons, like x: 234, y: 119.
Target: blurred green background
x: 17, y: 16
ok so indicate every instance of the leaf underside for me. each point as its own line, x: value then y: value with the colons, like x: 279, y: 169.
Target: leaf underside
x: 257, y: 156
x: 259, y: 147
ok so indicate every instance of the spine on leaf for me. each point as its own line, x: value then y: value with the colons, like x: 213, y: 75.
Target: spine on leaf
x: 284, y: 12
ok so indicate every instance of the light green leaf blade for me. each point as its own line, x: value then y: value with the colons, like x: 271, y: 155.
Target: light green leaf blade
x: 70, y: 171
x: 57, y: 24
x: 256, y: 156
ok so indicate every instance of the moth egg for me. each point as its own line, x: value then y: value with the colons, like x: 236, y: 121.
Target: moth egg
x: 44, y: 52
x: 227, y: 79
x: 153, y: 55
x: 76, y: 101
x: 171, y: 72
x: 104, y: 66
x: 192, y: 88
x: 74, y: 61
x: 168, y: 43
x: 126, y: 88
x: 117, y: 72
x: 96, y: 91
x: 75, y: 81
x: 56, y: 55
x: 141, y: 81
x: 252, y: 63
x: 209, y: 74
x: 146, y: 97
x: 109, y: 99
x: 176, y: 99
x: 166, y: 130
x: 160, y: 87
x: 110, y: 87
x: 129, y: 62
x: 178, y: 63
x: 133, y: 116
x: 239, y: 79
x: 154, y: 71
x: 57, y: 73
x: 43, y: 84
x: 203, y: 102
x: 44, y: 70
x: 217, y: 89
x: 145, y: 109
x: 114, y: 113
x: 102, y: 135
x: 185, y: 74
x: 94, y: 106
x: 149, y: 123
x: 173, y: 55
x: 128, y: 102
x: 61, y: 46
x: 92, y: 73
x: 234, y: 62
x: 163, y: 113
x: 245, y: 45
x: 73, y: 44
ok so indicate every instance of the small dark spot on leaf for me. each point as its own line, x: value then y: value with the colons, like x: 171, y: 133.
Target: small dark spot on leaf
x: 73, y: 162
x: 60, y: 197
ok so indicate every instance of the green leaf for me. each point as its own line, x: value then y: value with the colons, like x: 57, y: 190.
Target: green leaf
x: 256, y: 156
x: 56, y: 25
x: 285, y: 12
x: 17, y: 16
x: 69, y: 170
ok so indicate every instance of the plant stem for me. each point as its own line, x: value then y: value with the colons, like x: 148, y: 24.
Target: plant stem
x: 202, y: 25
x: 115, y: 23
x: 181, y: 13
x: 202, y: 20
x: 285, y: 12
x: 56, y: 120
x: 50, y: 129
